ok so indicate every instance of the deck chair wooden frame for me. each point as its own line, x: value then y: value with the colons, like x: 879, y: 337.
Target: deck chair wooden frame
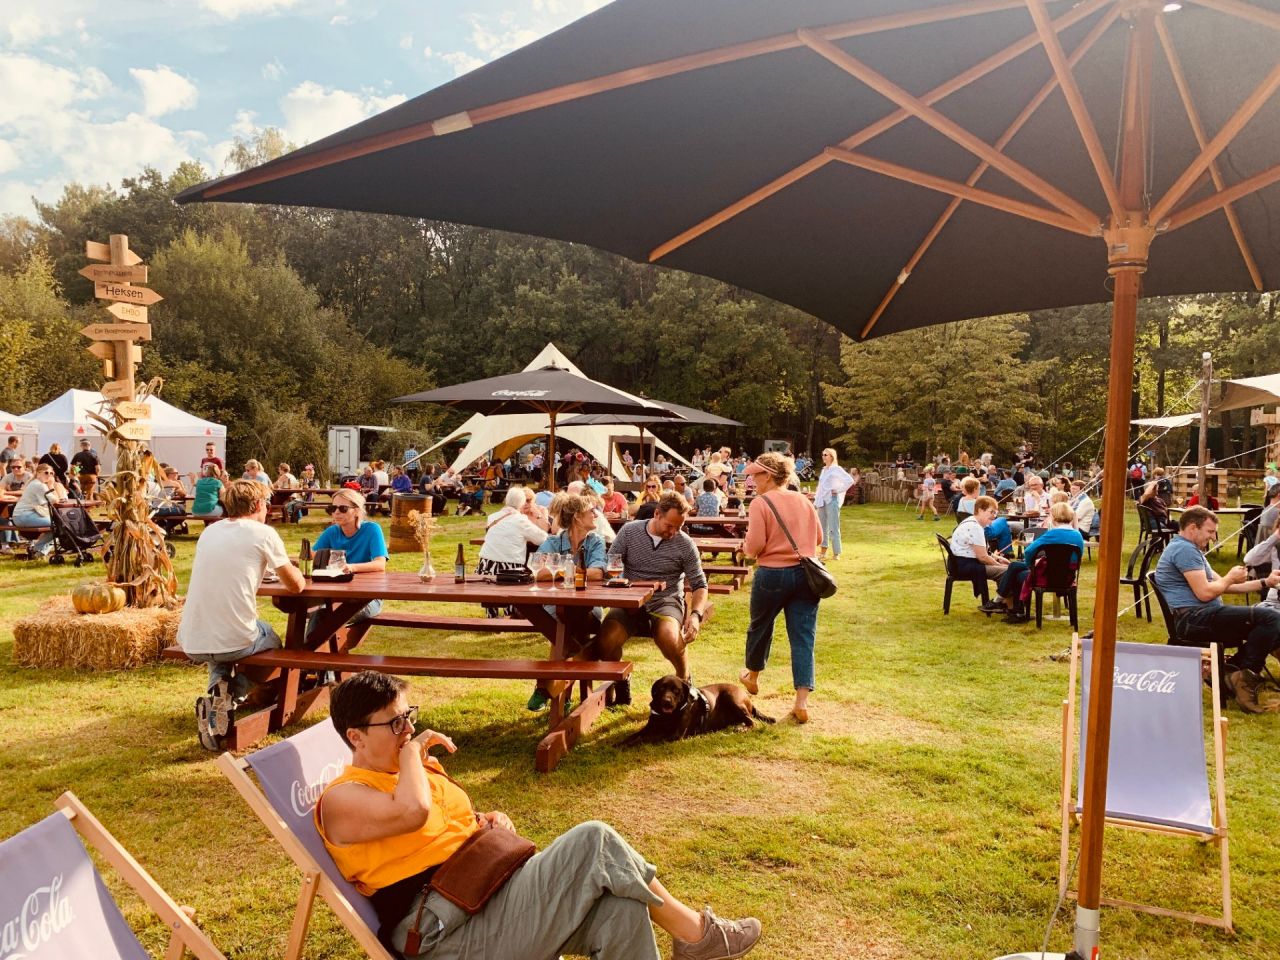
x: 314, y: 879
x: 184, y: 935
x: 1219, y: 836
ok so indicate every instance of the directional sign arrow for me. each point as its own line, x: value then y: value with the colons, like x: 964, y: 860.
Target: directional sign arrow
x: 103, y: 351
x: 117, y: 390
x: 133, y: 411
x: 127, y: 312
x: 117, y: 331
x: 142, y: 296
x: 102, y: 251
x: 135, y: 430
x: 118, y: 274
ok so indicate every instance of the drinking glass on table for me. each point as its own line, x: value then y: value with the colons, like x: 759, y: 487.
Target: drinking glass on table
x: 337, y: 559
x: 614, y: 567
x: 553, y: 564
x: 537, y: 563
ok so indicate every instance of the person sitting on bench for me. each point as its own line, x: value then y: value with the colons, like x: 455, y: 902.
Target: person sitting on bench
x: 360, y: 539
x: 393, y: 816
x: 220, y: 622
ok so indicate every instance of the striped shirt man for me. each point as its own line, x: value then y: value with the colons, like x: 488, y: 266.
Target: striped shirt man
x: 647, y: 556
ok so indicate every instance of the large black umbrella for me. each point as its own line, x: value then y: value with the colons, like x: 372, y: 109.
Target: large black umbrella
x: 884, y: 164
x: 551, y: 390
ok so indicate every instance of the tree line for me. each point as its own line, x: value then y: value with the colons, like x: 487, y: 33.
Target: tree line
x: 279, y: 321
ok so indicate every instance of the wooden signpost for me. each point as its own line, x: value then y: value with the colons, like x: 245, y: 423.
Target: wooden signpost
x: 135, y: 430
x: 116, y: 344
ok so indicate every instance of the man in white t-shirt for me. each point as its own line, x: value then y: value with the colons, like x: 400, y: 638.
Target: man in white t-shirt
x: 969, y: 547
x: 220, y: 622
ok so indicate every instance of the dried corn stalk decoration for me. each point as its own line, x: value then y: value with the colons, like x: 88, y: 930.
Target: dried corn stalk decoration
x: 136, y: 557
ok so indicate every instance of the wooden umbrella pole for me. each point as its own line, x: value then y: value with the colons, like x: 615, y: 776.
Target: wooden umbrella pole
x: 551, y: 454
x: 1128, y: 242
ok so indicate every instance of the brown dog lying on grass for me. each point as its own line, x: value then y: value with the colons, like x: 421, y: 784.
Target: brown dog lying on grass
x: 678, y: 709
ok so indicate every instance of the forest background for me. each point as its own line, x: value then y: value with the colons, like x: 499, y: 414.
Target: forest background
x: 280, y: 321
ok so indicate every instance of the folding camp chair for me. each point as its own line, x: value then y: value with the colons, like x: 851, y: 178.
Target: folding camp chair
x: 1157, y: 778
x: 291, y: 776
x: 49, y: 884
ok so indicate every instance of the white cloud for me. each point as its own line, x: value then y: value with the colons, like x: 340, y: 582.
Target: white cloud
x: 339, y: 21
x: 406, y: 42
x: 34, y: 88
x: 495, y: 36
x: 273, y: 70
x: 8, y: 157
x: 164, y: 90
x: 312, y: 111
x: 231, y: 9
x: 461, y: 61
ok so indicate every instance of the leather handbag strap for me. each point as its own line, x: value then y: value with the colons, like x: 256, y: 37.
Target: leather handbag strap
x: 782, y: 524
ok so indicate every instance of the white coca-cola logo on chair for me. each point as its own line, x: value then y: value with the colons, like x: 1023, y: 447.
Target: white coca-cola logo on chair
x: 303, y: 796
x: 1151, y: 681
x: 44, y: 914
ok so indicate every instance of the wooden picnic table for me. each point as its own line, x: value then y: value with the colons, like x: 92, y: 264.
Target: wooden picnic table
x: 727, y: 522
x: 332, y: 646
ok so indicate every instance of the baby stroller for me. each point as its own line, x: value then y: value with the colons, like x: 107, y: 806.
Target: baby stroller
x: 74, y: 533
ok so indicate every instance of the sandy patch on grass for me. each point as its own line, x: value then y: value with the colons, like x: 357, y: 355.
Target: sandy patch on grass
x: 864, y: 723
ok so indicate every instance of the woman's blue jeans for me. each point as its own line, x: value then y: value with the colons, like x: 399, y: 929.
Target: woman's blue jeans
x: 829, y: 517
x: 783, y: 590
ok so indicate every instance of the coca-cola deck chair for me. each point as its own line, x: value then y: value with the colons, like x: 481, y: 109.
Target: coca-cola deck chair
x: 54, y: 905
x: 1157, y: 771
x: 290, y: 776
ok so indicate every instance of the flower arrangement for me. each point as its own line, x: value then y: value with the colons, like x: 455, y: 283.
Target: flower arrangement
x: 424, y: 525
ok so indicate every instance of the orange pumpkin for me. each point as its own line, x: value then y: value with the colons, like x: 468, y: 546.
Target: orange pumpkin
x: 97, y: 598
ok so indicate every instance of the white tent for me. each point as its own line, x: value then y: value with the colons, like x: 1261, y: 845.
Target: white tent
x: 1249, y: 392
x: 28, y: 434
x: 508, y: 432
x: 177, y: 437
x: 1168, y: 423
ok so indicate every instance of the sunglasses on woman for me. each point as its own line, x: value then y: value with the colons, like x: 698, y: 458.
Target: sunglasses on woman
x: 337, y: 508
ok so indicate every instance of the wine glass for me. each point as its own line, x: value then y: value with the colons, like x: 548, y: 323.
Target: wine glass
x: 553, y: 564
x: 537, y: 563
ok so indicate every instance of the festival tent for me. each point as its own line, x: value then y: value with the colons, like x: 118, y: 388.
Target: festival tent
x: 506, y: 433
x: 27, y: 433
x: 177, y: 437
x: 1168, y: 423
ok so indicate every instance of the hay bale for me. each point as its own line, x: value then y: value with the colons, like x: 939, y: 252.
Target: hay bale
x: 57, y: 636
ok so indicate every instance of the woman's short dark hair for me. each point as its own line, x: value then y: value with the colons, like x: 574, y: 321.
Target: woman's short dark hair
x: 358, y: 698
x: 709, y: 484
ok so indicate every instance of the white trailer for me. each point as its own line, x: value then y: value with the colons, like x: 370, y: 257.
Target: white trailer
x: 351, y: 447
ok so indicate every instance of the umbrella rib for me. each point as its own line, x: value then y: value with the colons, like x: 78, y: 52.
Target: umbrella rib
x: 1259, y: 181
x: 948, y: 128
x: 943, y: 90
x: 1075, y: 102
x: 1193, y: 116
x: 996, y: 201
x: 1252, y: 104
x: 1101, y: 27
x: 464, y: 120
x: 1245, y: 11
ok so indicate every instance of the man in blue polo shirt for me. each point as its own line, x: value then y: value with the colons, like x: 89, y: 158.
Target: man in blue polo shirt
x: 1194, y: 593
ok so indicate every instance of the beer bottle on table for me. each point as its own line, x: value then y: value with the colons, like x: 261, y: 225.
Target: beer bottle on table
x: 460, y: 566
x: 304, y: 557
x: 580, y: 569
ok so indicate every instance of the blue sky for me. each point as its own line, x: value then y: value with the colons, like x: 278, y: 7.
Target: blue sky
x: 92, y: 91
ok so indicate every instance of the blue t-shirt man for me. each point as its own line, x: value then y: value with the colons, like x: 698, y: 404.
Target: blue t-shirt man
x: 361, y: 547
x: 1180, y: 556
x: 1000, y: 537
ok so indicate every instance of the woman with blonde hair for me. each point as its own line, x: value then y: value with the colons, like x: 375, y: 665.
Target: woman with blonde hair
x: 778, y: 517
x: 361, y: 541
x: 833, y: 483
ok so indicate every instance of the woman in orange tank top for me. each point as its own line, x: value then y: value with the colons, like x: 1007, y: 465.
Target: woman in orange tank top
x: 394, y: 814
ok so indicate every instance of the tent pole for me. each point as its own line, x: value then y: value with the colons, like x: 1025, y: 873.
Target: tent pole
x: 1128, y: 243
x: 1202, y: 458
x: 551, y: 455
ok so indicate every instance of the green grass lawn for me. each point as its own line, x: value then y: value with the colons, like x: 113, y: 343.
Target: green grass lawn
x: 915, y: 816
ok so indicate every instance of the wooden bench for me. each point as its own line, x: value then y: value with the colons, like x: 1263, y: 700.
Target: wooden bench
x: 584, y: 670
x: 431, y: 621
x: 738, y: 573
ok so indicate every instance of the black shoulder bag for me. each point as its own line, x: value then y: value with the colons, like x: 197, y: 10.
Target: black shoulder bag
x: 820, y: 578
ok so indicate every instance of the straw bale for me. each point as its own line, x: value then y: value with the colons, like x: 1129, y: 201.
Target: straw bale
x: 57, y: 636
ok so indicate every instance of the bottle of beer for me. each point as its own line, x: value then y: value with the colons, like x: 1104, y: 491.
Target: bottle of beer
x: 460, y: 566
x: 580, y: 569
x: 304, y: 557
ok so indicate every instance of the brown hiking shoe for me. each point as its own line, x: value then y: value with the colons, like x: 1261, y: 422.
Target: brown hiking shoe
x: 721, y: 939
x: 1244, y: 684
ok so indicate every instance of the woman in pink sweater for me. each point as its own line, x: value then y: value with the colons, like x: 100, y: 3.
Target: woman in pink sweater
x: 779, y: 584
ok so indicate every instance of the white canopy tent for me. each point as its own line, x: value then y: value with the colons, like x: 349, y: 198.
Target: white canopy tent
x: 177, y: 437
x: 1168, y: 423
x: 28, y: 434
x: 506, y: 433
x: 1249, y: 392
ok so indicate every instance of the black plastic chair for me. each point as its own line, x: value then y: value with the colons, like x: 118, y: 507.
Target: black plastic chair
x: 949, y: 564
x: 1248, y: 536
x: 1152, y: 526
x: 1140, y: 561
x: 1058, y: 576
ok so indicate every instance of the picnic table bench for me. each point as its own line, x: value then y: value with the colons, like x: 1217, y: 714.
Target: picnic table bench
x: 330, y: 647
